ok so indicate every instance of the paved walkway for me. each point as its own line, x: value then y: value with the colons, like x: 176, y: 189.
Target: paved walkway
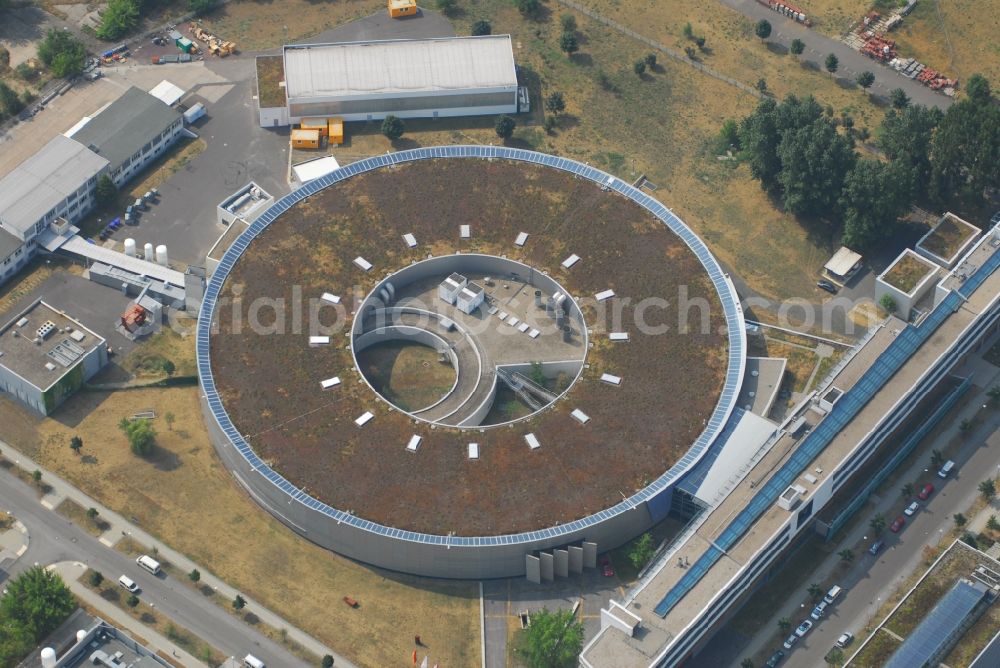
x: 119, y: 527
x: 852, y: 62
x: 109, y: 612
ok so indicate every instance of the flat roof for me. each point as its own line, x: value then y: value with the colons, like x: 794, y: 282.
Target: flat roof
x: 124, y: 126
x: 45, y: 179
x: 67, y: 342
x: 908, y: 271
x: 8, y: 244
x: 399, y: 66
x: 948, y: 237
x: 313, y: 169
x: 167, y: 92
x: 842, y: 261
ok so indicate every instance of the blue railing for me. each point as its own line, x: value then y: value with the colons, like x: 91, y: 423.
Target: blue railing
x: 727, y: 296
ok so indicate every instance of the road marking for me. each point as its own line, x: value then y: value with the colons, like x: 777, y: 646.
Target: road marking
x: 20, y: 552
x: 106, y: 542
x: 47, y: 504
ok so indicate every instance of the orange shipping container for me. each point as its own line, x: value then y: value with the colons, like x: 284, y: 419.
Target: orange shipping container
x: 305, y: 139
x: 400, y: 8
x: 336, y: 130
x: 317, y: 124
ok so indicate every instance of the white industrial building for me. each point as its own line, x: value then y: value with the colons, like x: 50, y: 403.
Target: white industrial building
x: 413, y: 78
x: 45, y: 356
x: 56, y: 182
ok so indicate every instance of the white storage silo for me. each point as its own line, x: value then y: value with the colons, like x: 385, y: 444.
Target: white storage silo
x: 161, y: 255
x: 148, y: 252
x: 130, y: 247
x: 48, y: 657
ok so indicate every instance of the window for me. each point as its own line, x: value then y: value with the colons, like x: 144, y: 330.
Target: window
x: 145, y: 149
x: 92, y: 181
x: 804, y: 514
x: 136, y: 156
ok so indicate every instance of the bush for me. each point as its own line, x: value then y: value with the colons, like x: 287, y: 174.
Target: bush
x: 569, y: 43
x: 62, y: 53
x: 641, y: 550
x: 797, y: 47
x: 9, y: 101
x: 887, y: 303
x: 481, y: 27
x: 200, y: 7
x: 26, y: 72
x: 504, y: 126
x: 132, y: 601
x: 555, y: 103
x: 528, y: 8
x: 763, y: 29
x: 650, y: 60
x: 568, y: 22
x: 447, y: 7
x: 141, y: 435
x: 393, y: 127
x: 639, y: 67
x: 96, y: 578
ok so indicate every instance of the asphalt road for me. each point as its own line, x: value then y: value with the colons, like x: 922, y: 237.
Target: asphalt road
x: 55, y: 539
x: 852, y: 62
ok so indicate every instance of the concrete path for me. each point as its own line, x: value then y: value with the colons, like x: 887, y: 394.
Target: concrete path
x: 852, y: 62
x: 119, y: 527
x: 70, y: 572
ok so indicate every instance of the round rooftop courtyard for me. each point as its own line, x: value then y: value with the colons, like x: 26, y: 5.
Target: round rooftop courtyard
x: 586, y: 355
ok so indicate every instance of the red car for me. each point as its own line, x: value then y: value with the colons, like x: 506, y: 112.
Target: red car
x: 925, y: 492
x: 608, y: 571
x: 898, y: 524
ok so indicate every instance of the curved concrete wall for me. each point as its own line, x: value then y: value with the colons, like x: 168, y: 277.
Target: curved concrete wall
x: 456, y: 556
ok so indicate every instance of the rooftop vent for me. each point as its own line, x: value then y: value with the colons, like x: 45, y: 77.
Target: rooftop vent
x: 46, y: 329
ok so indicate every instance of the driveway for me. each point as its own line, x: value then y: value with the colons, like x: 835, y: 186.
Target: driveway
x: 852, y: 62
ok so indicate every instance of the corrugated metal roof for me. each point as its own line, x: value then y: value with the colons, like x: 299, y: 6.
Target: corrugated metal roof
x: 121, y: 130
x: 399, y: 66
x: 842, y: 261
x: 39, y: 183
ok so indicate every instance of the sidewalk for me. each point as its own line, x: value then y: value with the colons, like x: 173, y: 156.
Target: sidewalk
x: 71, y: 572
x: 120, y: 527
x: 883, y: 504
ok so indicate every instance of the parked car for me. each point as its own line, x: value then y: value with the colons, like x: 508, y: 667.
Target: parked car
x: 608, y: 570
x: 926, y: 492
x: 818, y: 610
x: 876, y: 547
x: 775, y: 659
x: 898, y: 524
x: 828, y: 286
x: 128, y: 584
x: 803, y: 628
x: 845, y: 639
x: 912, y: 509
x: 792, y: 639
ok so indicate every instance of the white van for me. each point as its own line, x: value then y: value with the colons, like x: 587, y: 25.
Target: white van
x: 832, y: 595
x: 128, y: 584
x: 150, y: 564
x: 946, y: 469
x: 250, y: 661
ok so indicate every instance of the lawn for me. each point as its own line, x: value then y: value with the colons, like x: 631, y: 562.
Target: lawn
x: 77, y: 514
x: 149, y: 360
x: 800, y: 362
x: 168, y: 494
x: 833, y: 17
x: 877, y: 652
x: 958, y: 37
x: 408, y: 374
x: 907, y: 272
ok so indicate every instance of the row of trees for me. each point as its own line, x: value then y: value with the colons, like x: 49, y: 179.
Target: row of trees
x: 35, y: 603
x: 801, y: 158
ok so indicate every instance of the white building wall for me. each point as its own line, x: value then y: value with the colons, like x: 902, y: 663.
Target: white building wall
x: 147, y: 153
x: 273, y: 117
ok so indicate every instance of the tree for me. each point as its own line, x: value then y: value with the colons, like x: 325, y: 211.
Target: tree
x: 762, y: 85
x: 729, y: 135
x: 797, y: 47
x: 835, y: 657
x: 994, y: 394
x: 132, y: 601
x: 746, y: 663
x: 36, y: 475
x: 700, y: 41
x: 92, y: 513
x: 650, y: 60
x: 992, y: 524
x: 194, y: 575
x: 761, y: 134
x: 96, y: 578
x: 906, y: 136
x: 38, y: 600
x: 199, y: 7
x: 988, y: 489
x: 169, y: 418
x: 846, y: 555
x: 568, y: 43
x: 504, y: 126
x: 965, y: 148
x: 141, y: 435
x: 642, y: 550
x: 26, y: 72
x: 239, y: 602
x: 865, y: 79
x: 62, y: 53
x: 568, y: 22
x: 327, y: 661
x: 688, y: 31
x: 965, y: 426
x: 877, y: 523
x: 106, y: 189
x: 393, y: 127
x: 118, y: 18
x: 937, y: 459
x: 555, y: 103
x: 482, y: 27
x: 887, y: 303
x: 907, y: 489
x: 9, y: 101
x: 763, y: 29
x: 832, y: 63
x: 977, y: 88
x: 639, y: 67
x: 528, y: 8
x: 784, y: 624
x: 815, y: 161
x: 873, y: 198
x: 899, y: 98
x: 690, y: 53
x: 553, y: 640
x: 815, y: 591
x: 447, y: 7
x: 959, y: 519
x: 75, y: 444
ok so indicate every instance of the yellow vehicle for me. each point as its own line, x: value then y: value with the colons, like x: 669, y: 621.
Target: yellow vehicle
x: 401, y: 8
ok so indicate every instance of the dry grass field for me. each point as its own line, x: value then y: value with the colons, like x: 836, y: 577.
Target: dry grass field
x: 834, y: 17
x: 168, y: 494
x: 958, y: 37
x: 409, y: 375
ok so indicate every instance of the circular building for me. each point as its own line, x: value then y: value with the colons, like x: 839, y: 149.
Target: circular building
x: 446, y: 361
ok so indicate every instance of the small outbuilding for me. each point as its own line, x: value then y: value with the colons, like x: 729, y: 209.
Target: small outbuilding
x: 470, y: 298
x: 451, y: 286
x: 305, y: 138
x: 843, y: 265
